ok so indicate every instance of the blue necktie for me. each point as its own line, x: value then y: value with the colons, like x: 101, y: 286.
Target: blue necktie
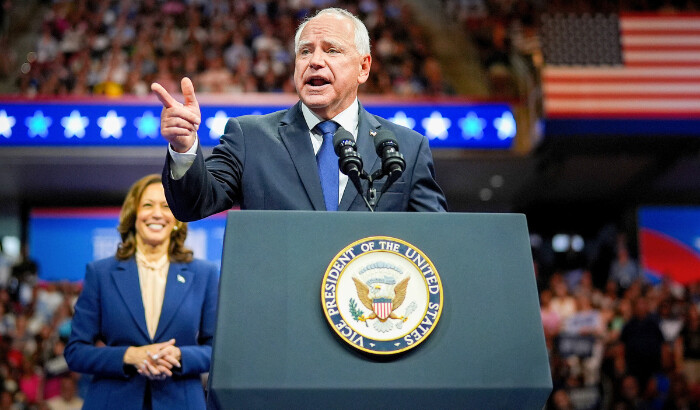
x: 328, y: 165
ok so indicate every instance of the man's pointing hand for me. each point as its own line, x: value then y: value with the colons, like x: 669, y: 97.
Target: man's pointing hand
x: 179, y: 122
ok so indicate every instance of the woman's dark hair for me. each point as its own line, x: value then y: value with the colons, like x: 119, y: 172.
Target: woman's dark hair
x: 177, y: 251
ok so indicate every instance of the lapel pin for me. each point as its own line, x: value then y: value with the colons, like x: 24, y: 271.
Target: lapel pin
x: 373, y: 133
x: 180, y: 278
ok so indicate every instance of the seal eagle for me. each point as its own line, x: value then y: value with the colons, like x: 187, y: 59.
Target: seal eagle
x: 371, y: 293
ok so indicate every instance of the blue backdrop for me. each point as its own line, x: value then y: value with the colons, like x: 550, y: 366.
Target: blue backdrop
x: 63, y: 241
x: 124, y: 123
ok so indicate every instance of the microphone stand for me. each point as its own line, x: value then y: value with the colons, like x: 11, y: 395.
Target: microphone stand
x: 355, y: 178
x: 371, y: 198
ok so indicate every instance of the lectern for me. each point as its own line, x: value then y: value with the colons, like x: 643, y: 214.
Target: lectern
x: 275, y: 348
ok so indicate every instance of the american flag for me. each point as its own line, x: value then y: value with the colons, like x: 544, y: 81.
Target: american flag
x: 641, y: 65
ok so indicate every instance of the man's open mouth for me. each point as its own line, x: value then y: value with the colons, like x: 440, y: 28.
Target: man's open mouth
x: 317, y: 81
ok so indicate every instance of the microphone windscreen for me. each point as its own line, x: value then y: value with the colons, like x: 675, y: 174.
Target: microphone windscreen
x: 341, y: 135
x: 383, y: 138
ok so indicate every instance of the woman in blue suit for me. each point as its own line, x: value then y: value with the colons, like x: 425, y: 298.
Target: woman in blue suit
x: 144, y: 322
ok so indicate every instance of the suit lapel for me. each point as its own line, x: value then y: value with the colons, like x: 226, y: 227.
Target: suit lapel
x: 176, y: 288
x: 365, y: 147
x: 295, y: 136
x: 126, y: 279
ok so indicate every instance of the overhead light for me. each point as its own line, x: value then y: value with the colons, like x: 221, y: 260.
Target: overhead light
x: 485, y: 194
x: 560, y: 242
x: 577, y: 243
x: 496, y: 181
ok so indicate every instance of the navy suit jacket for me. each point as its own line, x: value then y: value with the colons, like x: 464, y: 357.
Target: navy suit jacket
x: 110, y: 310
x: 268, y: 162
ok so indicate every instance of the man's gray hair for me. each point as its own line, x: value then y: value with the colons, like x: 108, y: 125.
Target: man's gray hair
x: 361, y: 34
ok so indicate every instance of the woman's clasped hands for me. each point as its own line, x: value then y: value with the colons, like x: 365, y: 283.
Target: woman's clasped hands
x: 154, y: 361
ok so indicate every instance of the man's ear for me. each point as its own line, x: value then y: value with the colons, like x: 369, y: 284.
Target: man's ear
x: 365, y: 63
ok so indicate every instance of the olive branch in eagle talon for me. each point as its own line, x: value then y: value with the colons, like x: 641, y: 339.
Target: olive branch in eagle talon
x: 365, y: 294
x: 356, y: 313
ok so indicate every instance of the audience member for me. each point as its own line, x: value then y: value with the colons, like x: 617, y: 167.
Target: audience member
x: 5, y: 268
x: 586, y: 325
x: 562, y: 303
x: 629, y: 394
x: 560, y: 400
x: 643, y: 342
x: 31, y: 382
x: 669, y: 324
x: 624, y: 271
x: 687, y: 346
x: 551, y: 321
x: 68, y: 399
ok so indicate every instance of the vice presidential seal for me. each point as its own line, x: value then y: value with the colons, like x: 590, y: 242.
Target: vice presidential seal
x: 382, y: 295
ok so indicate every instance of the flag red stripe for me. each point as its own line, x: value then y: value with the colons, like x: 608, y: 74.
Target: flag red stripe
x: 693, y: 64
x: 627, y: 32
x: 621, y: 72
x: 654, y: 48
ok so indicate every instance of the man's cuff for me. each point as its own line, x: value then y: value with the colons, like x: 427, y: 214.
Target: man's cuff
x: 180, y: 162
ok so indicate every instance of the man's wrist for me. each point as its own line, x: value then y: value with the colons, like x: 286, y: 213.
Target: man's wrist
x: 180, y: 162
x: 191, y: 150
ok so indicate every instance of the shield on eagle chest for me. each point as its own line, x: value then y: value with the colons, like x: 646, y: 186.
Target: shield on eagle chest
x: 382, y: 307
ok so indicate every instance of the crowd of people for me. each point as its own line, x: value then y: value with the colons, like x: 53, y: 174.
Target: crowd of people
x: 35, y: 324
x: 632, y: 343
x: 118, y: 47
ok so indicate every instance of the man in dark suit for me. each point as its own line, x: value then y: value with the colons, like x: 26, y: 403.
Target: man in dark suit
x: 270, y: 161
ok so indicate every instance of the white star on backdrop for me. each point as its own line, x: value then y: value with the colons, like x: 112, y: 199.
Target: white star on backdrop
x: 436, y: 126
x: 217, y: 124
x: 111, y: 125
x: 74, y: 125
x: 400, y: 118
x: 6, y: 124
x: 505, y: 124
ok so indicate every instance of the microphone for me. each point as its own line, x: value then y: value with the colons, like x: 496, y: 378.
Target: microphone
x: 393, y: 163
x: 349, y: 160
